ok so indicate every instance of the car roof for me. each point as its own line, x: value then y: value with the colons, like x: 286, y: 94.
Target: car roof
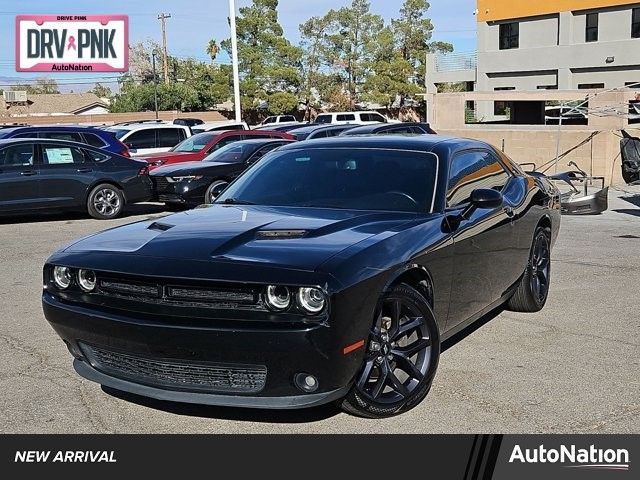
x: 58, y: 128
x: 343, y: 113
x: 379, y: 127
x: 140, y: 126
x: 319, y: 126
x: 261, y: 141
x: 421, y: 143
x: 9, y: 141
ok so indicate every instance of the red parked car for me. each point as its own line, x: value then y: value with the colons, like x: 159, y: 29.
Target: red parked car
x: 197, y: 147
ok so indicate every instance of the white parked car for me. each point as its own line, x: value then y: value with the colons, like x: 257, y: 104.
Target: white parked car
x: 219, y: 127
x: 277, y: 120
x: 150, y: 137
x: 356, y: 118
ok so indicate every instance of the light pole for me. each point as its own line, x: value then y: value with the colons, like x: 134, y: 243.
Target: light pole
x: 234, y: 59
x: 155, y: 82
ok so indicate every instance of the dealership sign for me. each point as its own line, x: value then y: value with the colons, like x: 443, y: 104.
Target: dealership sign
x: 72, y: 43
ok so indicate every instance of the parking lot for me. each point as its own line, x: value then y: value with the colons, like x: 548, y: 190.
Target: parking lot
x: 573, y: 368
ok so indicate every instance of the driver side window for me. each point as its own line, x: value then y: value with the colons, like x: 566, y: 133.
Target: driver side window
x: 471, y: 170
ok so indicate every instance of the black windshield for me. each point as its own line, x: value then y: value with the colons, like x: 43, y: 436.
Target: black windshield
x: 366, y: 179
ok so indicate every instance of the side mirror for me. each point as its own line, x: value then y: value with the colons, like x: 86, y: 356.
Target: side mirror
x: 484, y: 198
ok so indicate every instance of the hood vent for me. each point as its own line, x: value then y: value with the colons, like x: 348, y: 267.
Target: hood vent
x: 280, y: 234
x: 161, y: 227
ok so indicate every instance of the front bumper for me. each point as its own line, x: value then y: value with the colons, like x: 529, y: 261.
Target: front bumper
x: 292, y: 402
x: 183, y: 193
x: 283, y: 352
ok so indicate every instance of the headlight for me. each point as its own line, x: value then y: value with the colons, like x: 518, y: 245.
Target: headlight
x: 278, y: 298
x: 311, y: 299
x: 185, y: 178
x: 62, y: 277
x: 87, y: 280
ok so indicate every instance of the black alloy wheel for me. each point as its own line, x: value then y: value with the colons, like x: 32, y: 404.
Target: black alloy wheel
x: 401, y: 356
x: 540, y: 268
x: 533, y: 290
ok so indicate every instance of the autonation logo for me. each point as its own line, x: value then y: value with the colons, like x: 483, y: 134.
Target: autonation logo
x: 574, y: 457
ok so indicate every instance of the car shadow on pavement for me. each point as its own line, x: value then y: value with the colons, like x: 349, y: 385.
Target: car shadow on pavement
x: 137, y: 209
x: 304, y: 415
x: 633, y: 199
x: 628, y: 211
x: 478, y: 324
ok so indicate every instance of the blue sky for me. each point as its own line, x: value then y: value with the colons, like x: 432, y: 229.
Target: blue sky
x: 189, y: 29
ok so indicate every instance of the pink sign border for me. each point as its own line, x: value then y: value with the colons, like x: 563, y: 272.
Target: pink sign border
x: 97, y: 67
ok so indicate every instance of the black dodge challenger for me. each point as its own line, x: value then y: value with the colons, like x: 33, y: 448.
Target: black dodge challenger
x: 331, y: 270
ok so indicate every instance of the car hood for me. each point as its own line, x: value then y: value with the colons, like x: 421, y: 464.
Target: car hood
x: 244, y: 234
x: 186, y: 167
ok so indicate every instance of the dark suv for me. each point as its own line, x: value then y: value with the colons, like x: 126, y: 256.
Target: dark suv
x: 95, y: 137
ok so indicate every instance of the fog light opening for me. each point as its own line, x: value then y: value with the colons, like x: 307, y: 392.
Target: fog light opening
x: 306, y: 382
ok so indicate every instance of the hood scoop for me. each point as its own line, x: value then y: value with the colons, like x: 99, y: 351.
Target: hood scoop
x: 160, y: 227
x: 280, y: 234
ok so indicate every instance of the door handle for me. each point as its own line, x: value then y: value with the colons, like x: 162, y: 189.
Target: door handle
x: 84, y: 170
x: 28, y: 173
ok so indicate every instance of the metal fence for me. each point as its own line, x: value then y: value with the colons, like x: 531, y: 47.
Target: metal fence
x: 456, y: 61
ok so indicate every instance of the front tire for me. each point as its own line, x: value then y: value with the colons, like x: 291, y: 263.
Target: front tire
x: 213, y: 191
x: 105, y: 202
x: 533, y: 290
x: 401, y: 359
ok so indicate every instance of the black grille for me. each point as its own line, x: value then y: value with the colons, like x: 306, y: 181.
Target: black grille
x: 177, y: 374
x: 162, y: 184
x: 166, y: 293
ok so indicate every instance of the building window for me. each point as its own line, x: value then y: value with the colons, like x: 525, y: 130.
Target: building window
x: 635, y: 23
x: 590, y: 86
x: 501, y: 108
x: 509, y: 35
x: 591, y: 32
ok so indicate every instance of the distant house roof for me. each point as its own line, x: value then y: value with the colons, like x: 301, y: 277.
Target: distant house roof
x: 55, y: 104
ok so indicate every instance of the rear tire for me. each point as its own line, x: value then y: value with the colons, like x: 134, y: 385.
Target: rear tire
x: 401, y: 359
x: 105, y: 202
x: 533, y: 290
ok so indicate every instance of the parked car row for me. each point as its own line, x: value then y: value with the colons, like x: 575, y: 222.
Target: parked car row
x: 91, y: 169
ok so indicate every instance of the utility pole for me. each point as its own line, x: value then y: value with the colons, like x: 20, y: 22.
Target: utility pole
x: 165, y: 59
x: 155, y: 82
x: 234, y: 58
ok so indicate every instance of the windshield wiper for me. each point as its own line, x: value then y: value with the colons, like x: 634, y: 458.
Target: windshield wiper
x: 236, y: 201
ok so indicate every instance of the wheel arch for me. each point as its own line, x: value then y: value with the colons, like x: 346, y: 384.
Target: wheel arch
x: 416, y: 276
x: 545, y: 221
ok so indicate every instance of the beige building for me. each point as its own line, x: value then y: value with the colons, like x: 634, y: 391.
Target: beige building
x: 545, y: 44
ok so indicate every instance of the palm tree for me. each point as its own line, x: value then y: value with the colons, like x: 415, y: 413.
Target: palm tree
x: 213, y: 49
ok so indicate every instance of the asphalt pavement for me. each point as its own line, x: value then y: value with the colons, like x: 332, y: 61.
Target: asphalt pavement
x: 572, y: 368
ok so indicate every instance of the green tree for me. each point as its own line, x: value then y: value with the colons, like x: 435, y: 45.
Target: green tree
x: 391, y: 73
x: 349, y: 44
x: 268, y: 62
x: 40, y: 86
x: 101, y: 91
x: 413, y: 31
x: 314, y: 81
x: 196, y: 85
x: 213, y: 49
